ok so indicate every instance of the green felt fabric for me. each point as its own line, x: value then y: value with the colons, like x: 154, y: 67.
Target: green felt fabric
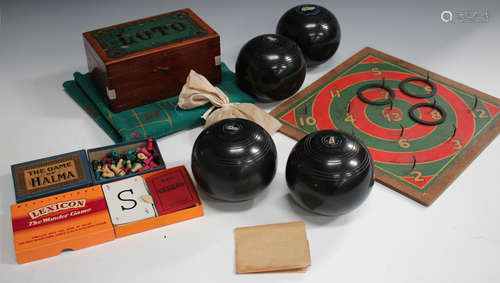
x: 157, y: 119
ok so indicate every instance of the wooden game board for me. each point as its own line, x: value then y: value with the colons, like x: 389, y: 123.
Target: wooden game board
x: 417, y: 160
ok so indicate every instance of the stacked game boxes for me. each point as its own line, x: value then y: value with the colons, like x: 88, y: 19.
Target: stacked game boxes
x: 73, y: 201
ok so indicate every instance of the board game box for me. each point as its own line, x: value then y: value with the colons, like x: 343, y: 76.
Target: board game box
x: 61, y: 173
x: 126, y: 199
x: 85, y: 217
x: 172, y: 190
x: 70, y: 221
x: 51, y: 175
x: 121, y: 149
x: 146, y: 60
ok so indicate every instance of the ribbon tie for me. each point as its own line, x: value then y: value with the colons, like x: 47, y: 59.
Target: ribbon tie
x: 198, y: 91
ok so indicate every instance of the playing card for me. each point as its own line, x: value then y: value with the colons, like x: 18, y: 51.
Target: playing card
x: 125, y: 201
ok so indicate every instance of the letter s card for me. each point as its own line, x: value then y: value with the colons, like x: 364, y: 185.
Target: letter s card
x: 125, y: 202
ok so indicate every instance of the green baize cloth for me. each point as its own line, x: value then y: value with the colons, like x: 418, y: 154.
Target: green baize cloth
x: 155, y: 120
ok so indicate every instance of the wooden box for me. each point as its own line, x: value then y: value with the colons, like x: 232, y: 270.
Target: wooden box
x: 146, y: 60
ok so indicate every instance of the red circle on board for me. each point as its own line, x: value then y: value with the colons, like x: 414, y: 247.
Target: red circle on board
x: 465, y: 122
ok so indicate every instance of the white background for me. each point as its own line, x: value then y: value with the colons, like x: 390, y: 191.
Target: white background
x: 389, y: 239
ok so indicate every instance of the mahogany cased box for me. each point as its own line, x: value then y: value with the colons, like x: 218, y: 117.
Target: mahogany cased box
x: 146, y: 60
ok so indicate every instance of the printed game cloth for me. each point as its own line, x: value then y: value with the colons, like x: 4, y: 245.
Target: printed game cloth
x: 155, y: 120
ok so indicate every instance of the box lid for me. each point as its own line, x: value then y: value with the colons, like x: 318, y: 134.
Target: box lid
x: 172, y: 190
x: 147, y: 35
x: 51, y: 175
x: 73, y: 220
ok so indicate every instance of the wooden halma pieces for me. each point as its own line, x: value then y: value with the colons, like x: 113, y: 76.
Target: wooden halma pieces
x: 272, y: 248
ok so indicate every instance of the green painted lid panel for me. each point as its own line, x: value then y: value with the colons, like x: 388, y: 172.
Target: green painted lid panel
x: 118, y: 42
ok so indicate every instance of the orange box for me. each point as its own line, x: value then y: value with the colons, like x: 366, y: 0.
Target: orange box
x: 78, y: 219
x: 73, y: 220
x: 163, y: 220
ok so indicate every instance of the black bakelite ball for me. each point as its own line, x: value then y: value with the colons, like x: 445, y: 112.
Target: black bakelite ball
x: 270, y: 67
x: 314, y: 28
x: 233, y: 160
x: 330, y: 172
